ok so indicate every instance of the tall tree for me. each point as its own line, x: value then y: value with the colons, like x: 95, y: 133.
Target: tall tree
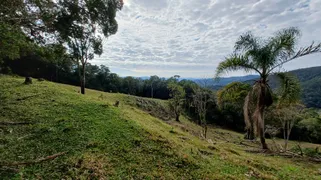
x: 200, y: 101
x: 80, y: 22
x: 177, y: 95
x: 153, y: 80
x: 263, y: 57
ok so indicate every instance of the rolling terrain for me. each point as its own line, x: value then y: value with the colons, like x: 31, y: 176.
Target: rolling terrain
x: 50, y: 131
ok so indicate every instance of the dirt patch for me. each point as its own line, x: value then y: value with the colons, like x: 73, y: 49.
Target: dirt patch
x: 154, y: 108
x: 93, y: 167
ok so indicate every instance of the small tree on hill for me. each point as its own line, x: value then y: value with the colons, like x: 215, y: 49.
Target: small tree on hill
x: 177, y: 95
x: 288, y: 109
x: 200, y: 101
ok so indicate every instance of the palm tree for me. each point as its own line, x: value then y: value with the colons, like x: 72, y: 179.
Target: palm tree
x: 263, y: 56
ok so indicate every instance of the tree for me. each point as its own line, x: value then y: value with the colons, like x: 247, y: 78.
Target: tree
x: 200, y: 101
x: 288, y: 109
x: 80, y: 22
x: 22, y: 23
x: 230, y: 100
x: 177, y: 95
x: 153, y: 80
x: 263, y: 57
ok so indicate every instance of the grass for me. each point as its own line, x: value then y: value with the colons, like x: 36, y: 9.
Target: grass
x: 128, y: 142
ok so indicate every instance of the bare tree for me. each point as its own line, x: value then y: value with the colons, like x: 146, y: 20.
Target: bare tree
x: 200, y: 100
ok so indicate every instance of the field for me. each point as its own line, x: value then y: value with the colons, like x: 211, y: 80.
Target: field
x: 50, y: 131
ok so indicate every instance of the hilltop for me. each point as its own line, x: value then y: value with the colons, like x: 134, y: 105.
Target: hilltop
x: 50, y: 131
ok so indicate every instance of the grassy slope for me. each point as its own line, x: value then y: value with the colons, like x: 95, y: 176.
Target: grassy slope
x: 119, y: 143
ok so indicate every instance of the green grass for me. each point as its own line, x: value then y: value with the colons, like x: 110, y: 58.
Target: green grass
x: 106, y: 142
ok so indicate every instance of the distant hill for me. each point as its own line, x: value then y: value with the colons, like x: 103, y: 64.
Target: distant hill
x: 310, y: 79
x: 217, y: 84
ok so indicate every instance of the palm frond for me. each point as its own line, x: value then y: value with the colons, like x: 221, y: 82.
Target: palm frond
x: 313, y: 48
x: 246, y: 42
x: 235, y: 62
x: 282, y: 45
x: 290, y: 90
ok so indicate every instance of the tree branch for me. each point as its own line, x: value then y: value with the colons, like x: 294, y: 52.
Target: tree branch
x: 33, y: 162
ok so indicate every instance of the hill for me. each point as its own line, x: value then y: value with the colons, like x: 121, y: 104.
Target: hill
x: 310, y: 80
x: 50, y: 131
x: 222, y: 81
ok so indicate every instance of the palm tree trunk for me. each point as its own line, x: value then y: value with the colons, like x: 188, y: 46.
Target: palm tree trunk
x: 260, y: 119
x: 259, y: 113
x: 248, y: 119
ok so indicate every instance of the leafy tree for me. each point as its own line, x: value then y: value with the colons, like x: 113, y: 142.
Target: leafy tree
x: 233, y: 94
x: 79, y: 22
x: 131, y: 85
x: 189, y: 87
x: 309, y: 129
x: 288, y: 108
x: 153, y: 80
x: 263, y: 57
x: 12, y: 40
x: 230, y: 100
x: 177, y: 95
x: 114, y: 83
x: 21, y: 23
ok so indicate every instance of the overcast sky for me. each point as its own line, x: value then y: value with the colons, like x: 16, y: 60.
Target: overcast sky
x: 190, y: 37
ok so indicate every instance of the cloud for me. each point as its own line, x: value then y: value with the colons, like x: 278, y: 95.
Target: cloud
x: 190, y: 38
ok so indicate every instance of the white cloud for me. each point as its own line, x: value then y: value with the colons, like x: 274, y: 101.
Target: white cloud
x: 190, y: 38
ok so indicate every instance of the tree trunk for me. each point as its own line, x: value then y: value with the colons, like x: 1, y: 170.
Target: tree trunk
x: 284, y: 135
x: 83, y: 80
x: 250, y: 133
x: 28, y: 80
x: 288, y: 131
x: 262, y: 139
x: 205, y: 130
x: 82, y: 85
x: 260, y: 114
x: 177, y: 117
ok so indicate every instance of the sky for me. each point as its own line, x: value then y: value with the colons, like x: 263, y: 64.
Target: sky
x: 191, y: 37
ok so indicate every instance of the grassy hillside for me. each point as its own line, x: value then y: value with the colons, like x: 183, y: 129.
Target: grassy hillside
x: 97, y: 140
